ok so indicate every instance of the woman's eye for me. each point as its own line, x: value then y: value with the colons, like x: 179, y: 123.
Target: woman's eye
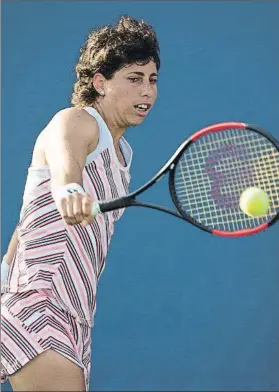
x: 133, y: 80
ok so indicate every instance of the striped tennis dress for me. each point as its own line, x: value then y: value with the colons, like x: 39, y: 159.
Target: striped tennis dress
x: 50, y: 300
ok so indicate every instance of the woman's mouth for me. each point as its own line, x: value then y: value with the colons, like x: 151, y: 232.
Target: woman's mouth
x: 142, y: 109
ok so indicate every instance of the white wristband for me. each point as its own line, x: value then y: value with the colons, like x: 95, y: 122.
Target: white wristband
x: 67, y: 190
x: 5, y: 268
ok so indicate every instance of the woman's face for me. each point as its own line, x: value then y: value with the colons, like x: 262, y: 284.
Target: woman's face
x: 130, y: 94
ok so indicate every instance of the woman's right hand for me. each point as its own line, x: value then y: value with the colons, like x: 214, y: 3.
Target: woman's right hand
x: 76, y: 208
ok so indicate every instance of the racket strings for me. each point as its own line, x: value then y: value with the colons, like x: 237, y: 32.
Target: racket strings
x: 213, y: 172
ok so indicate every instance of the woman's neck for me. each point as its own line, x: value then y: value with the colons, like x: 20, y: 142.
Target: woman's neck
x: 114, y: 128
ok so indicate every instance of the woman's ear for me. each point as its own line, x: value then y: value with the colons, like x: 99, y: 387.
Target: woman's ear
x: 98, y: 83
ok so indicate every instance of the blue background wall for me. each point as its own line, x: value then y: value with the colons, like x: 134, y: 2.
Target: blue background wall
x: 177, y: 308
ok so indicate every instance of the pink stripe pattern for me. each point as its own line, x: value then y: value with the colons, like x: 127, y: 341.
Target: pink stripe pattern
x: 31, y: 323
x: 68, y: 260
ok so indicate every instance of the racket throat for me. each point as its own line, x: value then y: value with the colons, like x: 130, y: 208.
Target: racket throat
x: 137, y: 203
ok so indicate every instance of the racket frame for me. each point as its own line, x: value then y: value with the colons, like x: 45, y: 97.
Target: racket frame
x: 169, y: 167
x: 213, y: 129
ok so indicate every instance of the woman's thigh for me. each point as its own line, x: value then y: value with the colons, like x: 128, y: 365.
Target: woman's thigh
x: 49, y: 371
x: 41, y: 342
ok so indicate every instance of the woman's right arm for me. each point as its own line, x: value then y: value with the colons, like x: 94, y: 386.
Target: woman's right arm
x: 68, y: 138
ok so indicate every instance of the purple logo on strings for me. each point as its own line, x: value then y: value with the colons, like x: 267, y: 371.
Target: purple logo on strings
x: 234, y: 175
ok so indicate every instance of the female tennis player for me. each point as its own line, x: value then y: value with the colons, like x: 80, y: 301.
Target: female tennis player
x: 58, y: 251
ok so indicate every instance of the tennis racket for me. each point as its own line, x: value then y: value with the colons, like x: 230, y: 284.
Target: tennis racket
x: 207, y: 175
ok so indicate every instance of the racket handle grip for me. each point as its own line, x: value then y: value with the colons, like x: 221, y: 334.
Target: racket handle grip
x: 98, y: 208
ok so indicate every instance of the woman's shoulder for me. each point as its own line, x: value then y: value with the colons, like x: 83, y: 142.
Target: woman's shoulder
x: 71, y: 120
x: 76, y: 114
x: 72, y: 124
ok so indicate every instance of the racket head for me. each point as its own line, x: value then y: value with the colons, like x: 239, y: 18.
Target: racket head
x: 214, y: 167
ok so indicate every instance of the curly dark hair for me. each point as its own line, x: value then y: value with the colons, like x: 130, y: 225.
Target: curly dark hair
x: 109, y: 48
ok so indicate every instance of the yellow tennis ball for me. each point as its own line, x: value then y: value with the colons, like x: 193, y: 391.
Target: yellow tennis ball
x: 254, y: 202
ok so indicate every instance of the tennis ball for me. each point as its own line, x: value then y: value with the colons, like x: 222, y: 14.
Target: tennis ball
x: 254, y: 202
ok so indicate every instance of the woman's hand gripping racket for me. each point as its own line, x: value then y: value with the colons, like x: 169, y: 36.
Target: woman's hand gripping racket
x: 207, y: 175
